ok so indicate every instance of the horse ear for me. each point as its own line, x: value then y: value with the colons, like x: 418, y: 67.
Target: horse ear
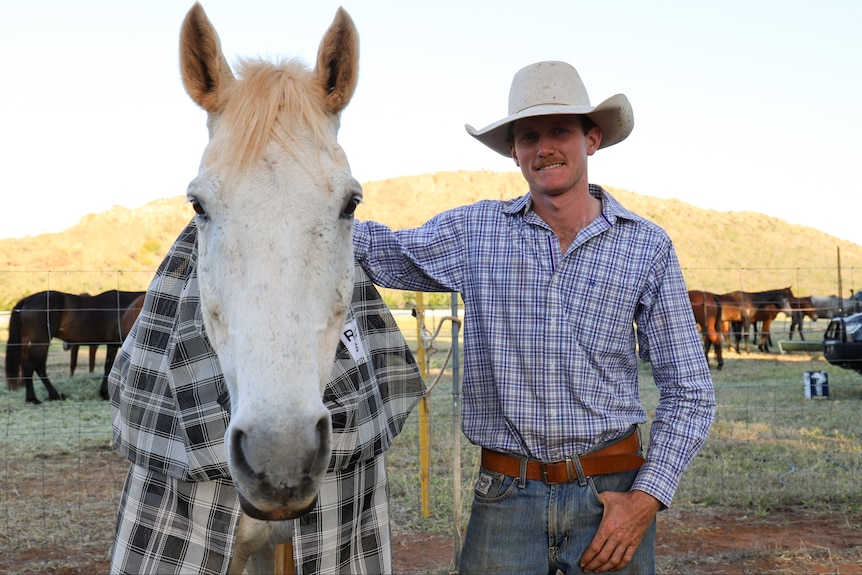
x: 205, y: 70
x: 338, y: 61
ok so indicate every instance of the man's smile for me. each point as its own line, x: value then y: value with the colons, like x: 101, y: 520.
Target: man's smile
x: 549, y: 166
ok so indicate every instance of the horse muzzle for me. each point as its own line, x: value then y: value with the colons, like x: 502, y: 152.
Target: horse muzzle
x: 278, y: 475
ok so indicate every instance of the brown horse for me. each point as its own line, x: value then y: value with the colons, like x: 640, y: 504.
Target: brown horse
x: 130, y: 315
x: 740, y: 307
x: 73, y: 356
x: 128, y: 319
x: 765, y: 316
x: 76, y: 319
x: 707, y: 313
x: 801, y: 306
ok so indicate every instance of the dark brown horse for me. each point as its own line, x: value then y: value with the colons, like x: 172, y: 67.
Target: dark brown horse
x: 73, y: 356
x: 707, y: 313
x: 127, y: 320
x: 130, y: 315
x: 76, y: 319
x: 801, y: 306
x: 740, y: 307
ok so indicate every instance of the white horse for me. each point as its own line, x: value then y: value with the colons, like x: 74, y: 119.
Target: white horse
x: 274, y: 200
x: 831, y: 306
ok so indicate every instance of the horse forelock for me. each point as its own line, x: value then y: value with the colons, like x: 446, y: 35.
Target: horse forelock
x: 271, y: 101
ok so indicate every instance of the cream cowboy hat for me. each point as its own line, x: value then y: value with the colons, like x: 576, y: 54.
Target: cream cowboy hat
x: 548, y: 88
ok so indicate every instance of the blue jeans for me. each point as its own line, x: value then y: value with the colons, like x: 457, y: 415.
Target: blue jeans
x: 530, y: 527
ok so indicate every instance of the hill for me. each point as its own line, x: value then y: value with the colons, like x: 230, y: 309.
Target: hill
x: 719, y: 251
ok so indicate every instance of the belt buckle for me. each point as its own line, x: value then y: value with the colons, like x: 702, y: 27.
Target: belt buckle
x: 571, y: 472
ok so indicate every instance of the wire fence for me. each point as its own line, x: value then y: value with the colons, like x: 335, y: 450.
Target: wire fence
x: 772, y: 445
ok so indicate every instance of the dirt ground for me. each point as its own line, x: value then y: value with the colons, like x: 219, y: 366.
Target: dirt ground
x: 707, y: 541
x: 690, y: 540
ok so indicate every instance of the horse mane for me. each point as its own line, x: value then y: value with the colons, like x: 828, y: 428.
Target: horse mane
x: 267, y: 97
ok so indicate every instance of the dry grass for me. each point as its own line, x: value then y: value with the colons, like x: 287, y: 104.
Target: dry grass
x: 61, y: 480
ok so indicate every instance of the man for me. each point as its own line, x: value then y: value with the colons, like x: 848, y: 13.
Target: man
x: 179, y: 510
x: 563, y: 289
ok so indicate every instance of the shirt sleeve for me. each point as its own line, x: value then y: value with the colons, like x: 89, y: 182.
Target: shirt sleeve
x: 428, y: 258
x: 668, y: 339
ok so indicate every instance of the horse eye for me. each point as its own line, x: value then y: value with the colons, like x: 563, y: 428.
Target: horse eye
x: 350, y: 207
x: 197, y: 207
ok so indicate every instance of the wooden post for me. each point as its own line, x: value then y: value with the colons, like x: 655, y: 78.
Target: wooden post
x: 840, y: 287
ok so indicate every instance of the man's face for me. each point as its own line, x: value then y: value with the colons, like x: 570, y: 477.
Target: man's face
x: 552, y: 152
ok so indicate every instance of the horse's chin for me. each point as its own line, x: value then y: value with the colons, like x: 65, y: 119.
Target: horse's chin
x: 282, y: 514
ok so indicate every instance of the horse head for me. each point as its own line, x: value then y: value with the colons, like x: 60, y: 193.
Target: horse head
x: 274, y: 200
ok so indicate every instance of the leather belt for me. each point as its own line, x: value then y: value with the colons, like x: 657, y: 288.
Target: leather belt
x: 615, y: 458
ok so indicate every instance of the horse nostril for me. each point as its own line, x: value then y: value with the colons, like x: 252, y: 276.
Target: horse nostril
x: 324, y: 430
x: 324, y: 433
x: 237, y: 452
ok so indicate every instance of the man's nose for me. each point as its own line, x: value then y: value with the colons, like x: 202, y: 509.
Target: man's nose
x: 545, y: 146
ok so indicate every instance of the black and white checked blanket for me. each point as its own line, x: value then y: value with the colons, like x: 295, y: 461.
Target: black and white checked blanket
x: 179, y: 510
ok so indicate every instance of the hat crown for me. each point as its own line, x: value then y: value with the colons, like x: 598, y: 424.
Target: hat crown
x: 547, y: 83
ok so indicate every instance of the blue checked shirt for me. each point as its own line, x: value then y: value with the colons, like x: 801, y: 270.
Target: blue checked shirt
x: 552, y: 339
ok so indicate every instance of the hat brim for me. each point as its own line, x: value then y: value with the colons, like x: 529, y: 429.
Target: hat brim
x: 614, y: 117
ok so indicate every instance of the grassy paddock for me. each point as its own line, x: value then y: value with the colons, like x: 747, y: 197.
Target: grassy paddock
x: 769, y: 448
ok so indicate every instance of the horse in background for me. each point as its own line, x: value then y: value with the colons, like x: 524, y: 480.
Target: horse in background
x: 130, y: 315
x: 831, y: 306
x: 740, y: 307
x: 73, y: 349
x: 707, y: 314
x: 78, y: 319
x: 126, y: 321
x: 764, y: 316
x: 802, y: 306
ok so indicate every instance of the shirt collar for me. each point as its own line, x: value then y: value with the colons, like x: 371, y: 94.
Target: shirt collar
x: 611, y: 208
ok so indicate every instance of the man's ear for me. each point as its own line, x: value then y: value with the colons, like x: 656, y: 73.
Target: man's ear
x: 514, y: 155
x: 594, y: 140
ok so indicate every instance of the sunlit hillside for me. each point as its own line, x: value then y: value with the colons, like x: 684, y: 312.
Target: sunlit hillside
x: 719, y: 251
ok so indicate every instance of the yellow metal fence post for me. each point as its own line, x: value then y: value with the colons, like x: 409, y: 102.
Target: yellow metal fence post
x: 424, y: 428
x: 284, y: 559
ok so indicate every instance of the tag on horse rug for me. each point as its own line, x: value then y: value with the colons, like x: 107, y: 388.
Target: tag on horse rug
x: 351, y: 340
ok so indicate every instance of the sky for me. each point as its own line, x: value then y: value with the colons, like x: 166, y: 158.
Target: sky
x: 739, y: 105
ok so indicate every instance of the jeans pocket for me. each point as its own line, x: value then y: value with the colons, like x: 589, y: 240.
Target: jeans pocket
x: 492, y: 487
x: 620, y: 482
x: 595, y: 491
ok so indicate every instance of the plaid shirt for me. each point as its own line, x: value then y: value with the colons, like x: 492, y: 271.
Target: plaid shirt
x: 551, y: 339
x: 179, y: 509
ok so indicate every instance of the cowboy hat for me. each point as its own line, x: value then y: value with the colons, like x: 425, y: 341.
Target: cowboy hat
x: 548, y: 88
